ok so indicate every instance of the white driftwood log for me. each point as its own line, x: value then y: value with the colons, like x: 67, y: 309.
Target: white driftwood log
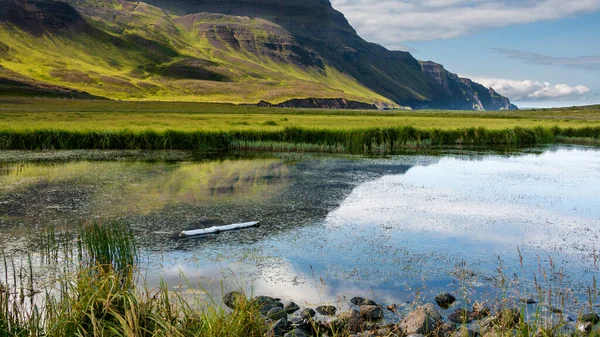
x: 218, y: 229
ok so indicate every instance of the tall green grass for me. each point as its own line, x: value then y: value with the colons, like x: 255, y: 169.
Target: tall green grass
x: 347, y: 140
x: 98, y: 295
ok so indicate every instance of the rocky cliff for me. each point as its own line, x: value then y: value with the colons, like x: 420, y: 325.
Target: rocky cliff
x: 465, y: 94
x: 321, y: 103
x: 316, y: 25
x: 239, y: 51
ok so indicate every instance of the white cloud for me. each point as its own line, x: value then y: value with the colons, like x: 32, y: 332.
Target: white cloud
x: 578, y: 62
x: 391, y: 22
x: 528, y: 90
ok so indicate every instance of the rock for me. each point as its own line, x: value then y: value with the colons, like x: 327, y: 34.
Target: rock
x: 383, y: 332
x: 362, y: 301
x: 432, y: 311
x: 354, y: 323
x: 306, y: 325
x: 278, y: 328
x: 371, y: 312
x: 296, y: 333
x: 460, y: 316
x: 233, y: 298
x: 506, y: 319
x: 528, y: 300
x: 291, y: 307
x: 445, y: 330
x: 556, y: 310
x: 327, y: 310
x: 416, y: 335
x: 585, y: 327
x: 420, y: 321
x: 591, y: 318
x: 264, y: 310
x: 276, y: 313
x: 266, y: 300
x: 266, y: 304
x: 307, y: 313
x: 480, y: 310
x: 445, y: 300
x: 464, y: 332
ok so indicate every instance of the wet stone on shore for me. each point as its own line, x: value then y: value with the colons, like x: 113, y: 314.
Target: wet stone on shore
x: 368, y: 318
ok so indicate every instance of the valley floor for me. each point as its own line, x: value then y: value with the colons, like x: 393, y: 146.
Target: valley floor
x: 51, y: 121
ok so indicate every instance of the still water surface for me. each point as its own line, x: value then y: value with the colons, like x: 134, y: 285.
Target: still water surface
x: 391, y: 228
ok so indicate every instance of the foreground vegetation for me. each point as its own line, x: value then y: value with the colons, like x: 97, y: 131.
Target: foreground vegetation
x: 87, y: 285
x: 91, y: 289
x: 63, y: 124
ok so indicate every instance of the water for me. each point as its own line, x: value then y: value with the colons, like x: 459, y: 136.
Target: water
x: 396, y: 229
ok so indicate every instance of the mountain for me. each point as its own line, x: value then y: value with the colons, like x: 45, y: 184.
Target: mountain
x: 238, y: 51
x: 468, y: 95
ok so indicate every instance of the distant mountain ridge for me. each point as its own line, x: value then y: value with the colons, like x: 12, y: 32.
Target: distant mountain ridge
x: 239, y: 51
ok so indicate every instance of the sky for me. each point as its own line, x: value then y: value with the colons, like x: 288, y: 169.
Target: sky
x: 539, y: 53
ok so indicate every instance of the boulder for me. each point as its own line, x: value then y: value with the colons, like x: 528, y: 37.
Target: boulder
x: 307, y: 313
x: 354, y: 323
x: 266, y: 300
x: 360, y: 301
x: 445, y: 300
x: 421, y: 321
x: 371, y: 312
x: 327, y: 310
x: 233, y: 298
x: 460, y: 316
x: 480, y: 310
x: 296, y: 333
x: 276, y: 313
x: 591, y: 318
x: 291, y: 307
x: 463, y: 331
x: 277, y: 328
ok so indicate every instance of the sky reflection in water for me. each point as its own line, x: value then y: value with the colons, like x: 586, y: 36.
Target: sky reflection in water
x: 334, y: 227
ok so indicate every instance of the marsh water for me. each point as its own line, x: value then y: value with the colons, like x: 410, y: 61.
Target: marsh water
x: 396, y: 229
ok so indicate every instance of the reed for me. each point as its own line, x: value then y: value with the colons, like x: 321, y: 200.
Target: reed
x: 368, y: 140
x: 98, y: 296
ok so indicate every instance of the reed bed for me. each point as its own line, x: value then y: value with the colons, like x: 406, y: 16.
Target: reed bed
x: 97, y: 294
x: 368, y: 140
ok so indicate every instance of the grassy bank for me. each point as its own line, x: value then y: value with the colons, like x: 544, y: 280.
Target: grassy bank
x: 294, y: 139
x: 87, y: 285
x: 91, y: 288
x: 63, y: 124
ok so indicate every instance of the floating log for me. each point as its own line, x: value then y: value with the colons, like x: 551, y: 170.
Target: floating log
x: 218, y: 229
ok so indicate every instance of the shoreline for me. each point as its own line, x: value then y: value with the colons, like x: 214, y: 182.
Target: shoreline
x: 295, y: 139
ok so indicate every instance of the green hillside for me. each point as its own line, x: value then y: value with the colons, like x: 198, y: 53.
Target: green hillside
x: 129, y: 50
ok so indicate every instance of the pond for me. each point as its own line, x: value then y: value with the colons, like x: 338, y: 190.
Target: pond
x: 396, y: 229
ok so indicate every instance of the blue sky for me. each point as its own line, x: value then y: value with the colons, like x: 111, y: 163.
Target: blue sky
x: 539, y: 53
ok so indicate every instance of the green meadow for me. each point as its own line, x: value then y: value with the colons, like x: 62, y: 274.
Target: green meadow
x: 73, y: 124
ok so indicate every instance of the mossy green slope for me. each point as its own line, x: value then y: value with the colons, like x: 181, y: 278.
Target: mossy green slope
x: 132, y: 50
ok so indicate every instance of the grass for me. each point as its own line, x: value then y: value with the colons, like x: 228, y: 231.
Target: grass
x: 66, y: 124
x: 98, y: 295
x: 120, y: 57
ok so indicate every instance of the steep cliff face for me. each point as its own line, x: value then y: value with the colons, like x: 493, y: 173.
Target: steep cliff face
x: 321, y: 103
x: 239, y: 51
x: 316, y: 25
x: 38, y: 17
x: 465, y: 94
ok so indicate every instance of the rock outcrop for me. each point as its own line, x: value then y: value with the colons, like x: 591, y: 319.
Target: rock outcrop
x: 463, y: 93
x: 321, y: 103
x: 270, y: 49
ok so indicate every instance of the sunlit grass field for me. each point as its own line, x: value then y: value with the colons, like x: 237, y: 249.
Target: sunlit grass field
x: 72, y: 115
x: 44, y: 124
